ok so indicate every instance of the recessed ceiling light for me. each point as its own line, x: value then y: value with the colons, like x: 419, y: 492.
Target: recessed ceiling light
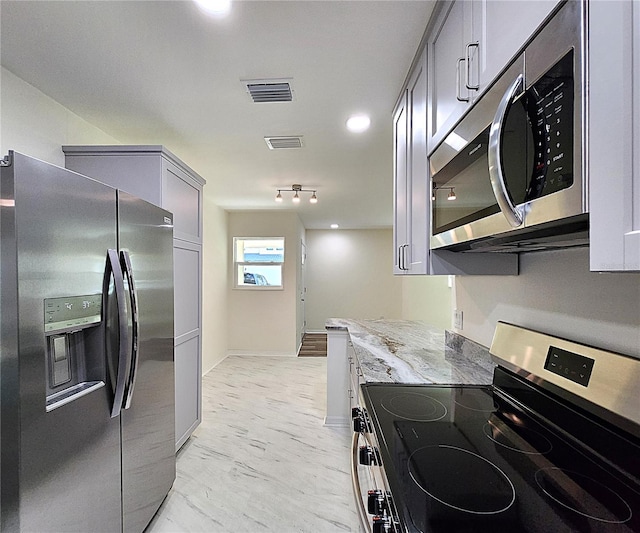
x: 358, y: 123
x: 216, y: 8
x: 334, y: 226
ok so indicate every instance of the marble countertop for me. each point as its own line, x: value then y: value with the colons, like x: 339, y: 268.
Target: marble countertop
x: 404, y: 351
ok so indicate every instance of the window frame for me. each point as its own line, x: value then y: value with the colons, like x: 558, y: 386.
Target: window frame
x: 240, y: 265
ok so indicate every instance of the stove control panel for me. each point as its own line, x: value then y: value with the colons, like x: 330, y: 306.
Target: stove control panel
x: 569, y: 365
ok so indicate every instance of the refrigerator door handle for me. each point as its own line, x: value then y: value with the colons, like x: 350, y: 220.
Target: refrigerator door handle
x: 125, y: 261
x: 113, y: 269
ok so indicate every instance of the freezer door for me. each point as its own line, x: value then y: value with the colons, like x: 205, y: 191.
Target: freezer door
x: 148, y: 419
x: 60, y: 457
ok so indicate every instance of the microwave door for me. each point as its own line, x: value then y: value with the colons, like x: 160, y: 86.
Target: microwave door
x: 461, y: 191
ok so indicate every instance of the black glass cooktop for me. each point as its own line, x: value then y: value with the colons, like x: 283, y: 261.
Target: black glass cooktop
x: 466, y: 459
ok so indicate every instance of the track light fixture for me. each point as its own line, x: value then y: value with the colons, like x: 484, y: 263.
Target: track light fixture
x: 296, y: 188
x: 451, y: 196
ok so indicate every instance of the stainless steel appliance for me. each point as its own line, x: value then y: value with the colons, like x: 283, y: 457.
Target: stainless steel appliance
x: 86, y: 368
x: 510, y: 176
x: 552, y: 445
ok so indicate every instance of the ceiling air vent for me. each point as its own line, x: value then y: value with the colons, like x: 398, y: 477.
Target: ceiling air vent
x: 277, y: 143
x: 268, y: 91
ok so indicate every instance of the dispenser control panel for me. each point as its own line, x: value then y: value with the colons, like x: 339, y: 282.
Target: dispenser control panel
x: 72, y: 312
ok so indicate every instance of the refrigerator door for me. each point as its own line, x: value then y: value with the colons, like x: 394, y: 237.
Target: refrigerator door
x: 148, y: 416
x: 60, y: 457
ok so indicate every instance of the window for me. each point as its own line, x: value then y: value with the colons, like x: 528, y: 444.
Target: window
x: 258, y: 262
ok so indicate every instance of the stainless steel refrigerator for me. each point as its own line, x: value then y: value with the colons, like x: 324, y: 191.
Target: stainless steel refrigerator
x: 86, y: 361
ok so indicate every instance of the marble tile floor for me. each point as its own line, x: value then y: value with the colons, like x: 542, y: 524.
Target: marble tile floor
x: 262, y: 460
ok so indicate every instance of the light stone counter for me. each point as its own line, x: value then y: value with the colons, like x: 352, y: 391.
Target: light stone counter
x: 402, y: 351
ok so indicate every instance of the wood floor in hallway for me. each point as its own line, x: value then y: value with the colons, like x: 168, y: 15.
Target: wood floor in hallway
x: 262, y: 460
x: 313, y: 345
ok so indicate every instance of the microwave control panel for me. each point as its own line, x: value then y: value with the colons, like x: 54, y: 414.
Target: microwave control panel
x: 549, y: 105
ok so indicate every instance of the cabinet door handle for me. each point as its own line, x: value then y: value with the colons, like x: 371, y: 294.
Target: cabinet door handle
x: 468, y: 60
x: 459, y: 82
x: 404, y: 257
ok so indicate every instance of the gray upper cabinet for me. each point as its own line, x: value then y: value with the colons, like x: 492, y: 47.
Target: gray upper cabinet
x: 502, y: 27
x: 614, y: 136
x: 411, y: 176
x: 447, y: 43
x: 156, y: 175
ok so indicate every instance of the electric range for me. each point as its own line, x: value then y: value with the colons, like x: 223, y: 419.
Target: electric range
x: 552, y: 445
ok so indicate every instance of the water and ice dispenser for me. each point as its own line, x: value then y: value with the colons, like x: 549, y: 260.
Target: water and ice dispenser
x: 75, y: 356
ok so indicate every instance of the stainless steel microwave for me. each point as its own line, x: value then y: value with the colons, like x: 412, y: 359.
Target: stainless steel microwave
x: 511, y: 176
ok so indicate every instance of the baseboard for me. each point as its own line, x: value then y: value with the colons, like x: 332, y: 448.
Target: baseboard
x: 336, y: 422
x: 214, y: 365
x: 259, y: 353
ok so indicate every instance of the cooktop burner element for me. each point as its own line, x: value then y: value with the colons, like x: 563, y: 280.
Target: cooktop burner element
x: 583, y: 495
x: 476, y: 400
x: 461, y: 479
x: 414, y: 406
x: 523, y: 440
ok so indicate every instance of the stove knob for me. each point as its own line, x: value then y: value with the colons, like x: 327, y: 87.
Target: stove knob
x: 359, y: 420
x: 375, y: 502
x: 381, y: 524
x: 369, y: 455
x: 359, y: 425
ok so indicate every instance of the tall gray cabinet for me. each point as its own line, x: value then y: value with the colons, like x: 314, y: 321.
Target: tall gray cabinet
x: 156, y: 175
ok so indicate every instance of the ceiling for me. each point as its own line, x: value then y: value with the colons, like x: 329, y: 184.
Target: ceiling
x: 163, y: 72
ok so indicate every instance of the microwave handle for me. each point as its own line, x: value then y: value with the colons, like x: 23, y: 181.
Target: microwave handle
x: 511, y: 212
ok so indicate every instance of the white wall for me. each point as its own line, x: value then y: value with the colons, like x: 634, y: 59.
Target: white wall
x: 427, y: 298
x: 555, y: 293
x: 215, y: 271
x: 36, y: 125
x: 263, y: 322
x: 349, y: 275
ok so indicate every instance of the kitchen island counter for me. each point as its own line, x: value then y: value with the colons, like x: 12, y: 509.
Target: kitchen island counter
x: 404, y: 351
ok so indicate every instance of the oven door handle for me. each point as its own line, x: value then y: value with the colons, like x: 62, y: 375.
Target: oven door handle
x: 512, y: 213
x: 355, y: 480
